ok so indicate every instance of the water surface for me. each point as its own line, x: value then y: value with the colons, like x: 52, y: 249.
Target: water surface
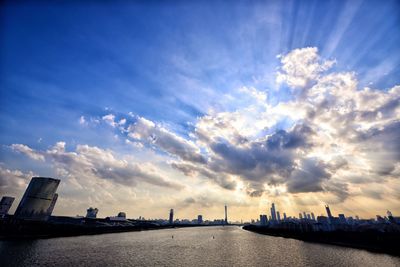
x: 231, y: 246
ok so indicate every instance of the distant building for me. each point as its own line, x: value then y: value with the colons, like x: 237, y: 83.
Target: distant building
x: 91, y: 213
x: 278, y: 215
x: 312, y: 216
x: 199, y: 219
x: 5, y: 205
x: 284, y: 216
x: 39, y: 199
x: 171, y: 216
x: 300, y: 216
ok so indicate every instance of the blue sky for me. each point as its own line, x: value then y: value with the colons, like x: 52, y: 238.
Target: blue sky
x: 170, y: 63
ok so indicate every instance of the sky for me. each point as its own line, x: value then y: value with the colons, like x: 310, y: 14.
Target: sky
x: 146, y: 106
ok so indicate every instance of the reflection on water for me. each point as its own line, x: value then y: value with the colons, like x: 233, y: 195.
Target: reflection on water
x: 231, y: 246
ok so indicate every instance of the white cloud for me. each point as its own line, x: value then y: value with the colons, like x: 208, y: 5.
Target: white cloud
x: 96, y: 163
x: 331, y: 119
x: 82, y: 120
x: 27, y: 151
x: 110, y: 119
x: 301, y: 66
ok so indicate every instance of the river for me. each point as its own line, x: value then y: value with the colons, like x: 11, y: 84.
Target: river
x: 197, y: 246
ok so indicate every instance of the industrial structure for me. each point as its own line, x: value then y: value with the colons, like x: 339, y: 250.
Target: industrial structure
x: 39, y: 199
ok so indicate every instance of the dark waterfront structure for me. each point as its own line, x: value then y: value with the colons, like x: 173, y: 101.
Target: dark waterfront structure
x: 382, y: 234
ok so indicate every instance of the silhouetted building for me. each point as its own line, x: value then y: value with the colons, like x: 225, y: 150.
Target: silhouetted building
x: 312, y: 216
x: 199, y: 219
x: 171, y: 216
x: 5, y: 205
x: 284, y: 216
x: 278, y: 215
x: 39, y: 199
x: 91, y: 212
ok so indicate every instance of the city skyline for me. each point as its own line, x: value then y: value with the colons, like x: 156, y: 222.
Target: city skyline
x: 40, y: 198
x: 145, y: 108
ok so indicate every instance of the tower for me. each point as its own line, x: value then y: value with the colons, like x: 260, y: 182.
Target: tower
x: 226, y: 214
x: 171, y: 216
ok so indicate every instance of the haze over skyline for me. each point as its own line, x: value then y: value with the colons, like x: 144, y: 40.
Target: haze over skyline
x: 142, y: 108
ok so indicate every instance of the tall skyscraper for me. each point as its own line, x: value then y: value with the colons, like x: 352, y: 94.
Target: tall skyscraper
x: 226, y: 214
x: 273, y: 212
x: 5, y: 205
x: 171, y: 216
x: 199, y: 219
x: 284, y: 216
x: 39, y: 199
x: 278, y: 215
x: 313, y: 216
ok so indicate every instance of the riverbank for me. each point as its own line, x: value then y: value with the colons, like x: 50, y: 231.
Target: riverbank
x: 11, y: 228
x: 369, y: 240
